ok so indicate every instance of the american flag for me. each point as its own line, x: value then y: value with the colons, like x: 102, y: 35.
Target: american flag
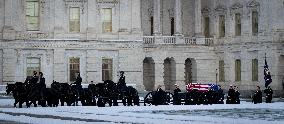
x: 201, y: 87
x: 267, y: 76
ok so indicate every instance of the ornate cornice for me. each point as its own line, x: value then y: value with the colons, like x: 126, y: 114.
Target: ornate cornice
x: 70, y: 44
x: 253, y: 4
x: 205, y: 11
x: 220, y: 10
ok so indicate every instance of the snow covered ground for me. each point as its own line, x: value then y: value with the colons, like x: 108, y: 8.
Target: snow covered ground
x: 244, y: 113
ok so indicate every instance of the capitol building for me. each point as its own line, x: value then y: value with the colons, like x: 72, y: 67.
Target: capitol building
x: 155, y: 42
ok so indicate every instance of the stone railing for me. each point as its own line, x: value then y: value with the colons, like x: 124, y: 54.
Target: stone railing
x: 190, y: 40
x: 209, y: 41
x: 149, y: 40
x: 156, y: 40
x: 169, y: 40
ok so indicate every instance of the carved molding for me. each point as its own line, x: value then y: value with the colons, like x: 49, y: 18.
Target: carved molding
x: 206, y: 11
x: 42, y: 6
x: 220, y: 10
x: 171, y: 13
x: 151, y: 11
x: 253, y: 4
x: 236, y: 8
x: 76, y: 3
x: 107, y: 3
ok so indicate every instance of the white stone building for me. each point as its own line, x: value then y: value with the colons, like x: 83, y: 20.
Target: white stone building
x: 156, y: 42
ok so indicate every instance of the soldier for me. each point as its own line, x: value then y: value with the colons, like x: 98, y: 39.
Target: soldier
x: 257, y: 97
x: 34, y: 78
x: 78, y: 80
x: 237, y: 95
x: 231, y: 95
x: 78, y: 84
x: 268, y: 91
x: 158, y: 98
x: 121, y: 80
x: 177, y: 100
x: 220, y: 95
x: 42, y: 85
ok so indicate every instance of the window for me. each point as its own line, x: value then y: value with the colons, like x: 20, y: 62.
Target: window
x: 172, y: 26
x: 107, y: 20
x: 152, y: 25
x: 33, y: 64
x: 206, y: 31
x: 74, y: 19
x: 32, y: 15
x: 254, y: 22
x: 221, y: 70
x: 254, y: 70
x: 106, y: 69
x: 238, y: 25
x: 238, y: 70
x: 222, y: 26
x: 74, y: 68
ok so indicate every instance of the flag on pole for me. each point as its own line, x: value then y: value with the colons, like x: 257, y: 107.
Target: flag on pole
x: 267, y: 76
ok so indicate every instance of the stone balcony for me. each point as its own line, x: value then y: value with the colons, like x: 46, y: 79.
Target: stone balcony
x: 177, y: 40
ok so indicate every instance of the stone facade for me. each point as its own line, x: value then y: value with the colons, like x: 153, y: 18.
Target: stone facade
x: 141, y: 44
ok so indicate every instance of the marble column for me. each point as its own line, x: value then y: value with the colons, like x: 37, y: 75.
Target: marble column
x: 8, y: 30
x: 157, y: 17
x: 136, y: 16
x: 198, y: 22
x: 159, y: 74
x: 178, y: 19
x: 180, y: 72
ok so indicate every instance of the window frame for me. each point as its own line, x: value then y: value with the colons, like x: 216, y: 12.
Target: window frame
x: 29, y: 72
x: 254, y: 70
x: 73, y: 23
x: 107, y: 73
x: 238, y: 70
x: 221, y: 71
x: 254, y: 22
x: 35, y: 15
x: 238, y: 24
x: 222, y: 26
x: 73, y: 64
x: 105, y: 21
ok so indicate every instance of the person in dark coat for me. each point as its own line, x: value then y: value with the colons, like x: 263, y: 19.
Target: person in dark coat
x: 78, y: 84
x: 42, y: 85
x: 257, y: 97
x: 121, y: 80
x: 177, y: 100
x: 268, y: 91
x: 220, y: 95
x: 231, y: 95
x: 78, y: 80
x: 159, y: 97
x: 34, y: 78
x: 237, y: 95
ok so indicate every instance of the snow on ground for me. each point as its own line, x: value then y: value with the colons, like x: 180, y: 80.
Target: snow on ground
x: 244, y: 113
